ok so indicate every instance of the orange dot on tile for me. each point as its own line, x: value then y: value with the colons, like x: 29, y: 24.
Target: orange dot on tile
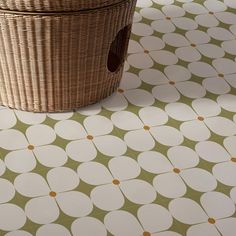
x: 53, y: 194
x: 193, y: 45
x: 146, y: 127
x: 233, y: 159
x: 116, y: 182
x: 168, y: 18
x: 211, y: 12
x: 176, y: 170
x: 172, y: 82
x: 146, y: 51
x: 221, y: 75
x: 31, y: 147
x: 200, y: 118
x: 146, y: 233
x: 211, y: 221
x: 120, y: 90
x: 90, y: 137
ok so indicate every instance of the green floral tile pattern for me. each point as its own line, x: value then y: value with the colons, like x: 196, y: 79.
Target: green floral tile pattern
x: 157, y: 158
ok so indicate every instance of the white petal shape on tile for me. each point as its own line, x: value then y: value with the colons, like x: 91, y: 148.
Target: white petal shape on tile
x: 152, y: 43
x: 141, y: 29
x: 194, y: 8
x: 154, y: 218
x: 229, y: 144
x: 185, y: 23
x: 107, y: 197
x: 7, y: 119
x: 202, y: 69
x: 88, y: 226
x: 81, y: 150
x: 167, y: 135
x: 40, y: 135
x: 233, y: 28
x: 180, y: 111
x: 173, y: 10
x: 18, y: 233
x: 152, y: 13
x: 50, y: 155
x: 233, y: 194
x: 126, y: 66
x: 216, y: 85
x: 212, y: 200
x: 206, y: 107
x: 12, y: 217
x: 98, y: 125
x: 139, y: 140
x: 126, y: 120
x: 93, y: 109
x: 224, y: 65
x: 115, y: 102
x: 230, y: 3
x: 8, y: 190
x: 94, y: 173
x: 227, y: 101
x: 60, y: 116
x: 211, y: 50
x: 144, y: 3
x: 163, y: 26
x: 212, y: 152
x: 110, y: 145
x: 153, y: 77
x: 227, y: 226
x: 30, y: 118
x: 175, y: 40
x: 52, y: 229
x: 169, y: 185
x: 129, y: 81
x: 139, y: 97
x: 187, y: 211
x: 167, y: 233
x: 163, y: 2
x: 62, y: 179
x: 12, y: 139
x: 215, y: 6
x: 199, y: 179
x: 140, y: 60
x: 177, y: 73
x: 123, y: 168
x: 138, y: 191
x: 229, y: 46
x: 207, y: 20
x: 70, y: 130
x: 188, y: 54
x: 221, y: 126
x: 164, y: 57
x: 154, y: 162
x: 166, y: 93
x: 31, y: 185
x: 182, y: 157
x: 231, y: 80
x: 42, y: 210
x: 20, y: 161
x: 134, y: 47
x: 197, y: 36
x: 219, y: 33
x: 201, y: 229
x: 122, y: 223
x: 226, y: 17
x: 225, y: 173
x: 74, y: 203
x: 195, y: 130
x: 2, y: 167
x: 153, y: 116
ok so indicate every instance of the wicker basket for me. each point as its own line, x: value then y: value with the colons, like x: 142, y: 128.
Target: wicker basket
x: 59, y: 55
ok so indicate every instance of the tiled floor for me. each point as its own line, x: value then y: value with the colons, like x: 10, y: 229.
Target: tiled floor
x: 157, y: 158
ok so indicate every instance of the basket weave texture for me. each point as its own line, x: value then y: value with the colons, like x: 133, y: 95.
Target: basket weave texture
x: 59, y: 55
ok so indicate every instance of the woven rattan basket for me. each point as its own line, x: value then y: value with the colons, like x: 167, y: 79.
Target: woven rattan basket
x: 58, y: 55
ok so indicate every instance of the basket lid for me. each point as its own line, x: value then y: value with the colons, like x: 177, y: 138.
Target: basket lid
x: 54, y: 5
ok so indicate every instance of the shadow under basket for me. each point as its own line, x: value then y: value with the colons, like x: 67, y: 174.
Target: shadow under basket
x: 62, y: 56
